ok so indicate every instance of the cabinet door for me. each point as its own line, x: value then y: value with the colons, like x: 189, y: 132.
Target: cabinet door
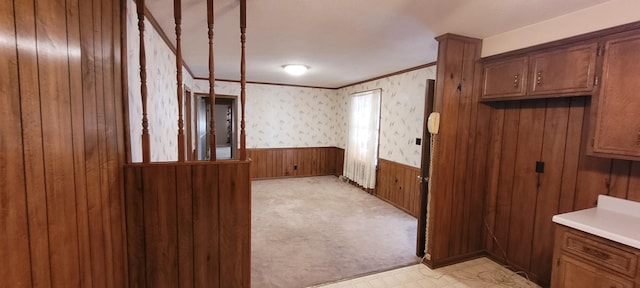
x: 618, y: 112
x: 575, y: 273
x: 505, y: 78
x: 564, y: 71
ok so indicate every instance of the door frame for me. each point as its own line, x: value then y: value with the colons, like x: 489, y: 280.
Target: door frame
x: 424, y: 170
x: 234, y: 119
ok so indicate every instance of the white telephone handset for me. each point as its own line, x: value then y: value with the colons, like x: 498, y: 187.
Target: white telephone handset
x: 433, y: 123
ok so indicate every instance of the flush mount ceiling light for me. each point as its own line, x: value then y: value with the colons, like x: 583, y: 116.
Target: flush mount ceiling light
x: 295, y: 69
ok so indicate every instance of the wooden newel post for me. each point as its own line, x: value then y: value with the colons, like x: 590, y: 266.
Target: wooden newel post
x: 243, y: 80
x: 177, y: 13
x: 146, y: 146
x: 212, y: 92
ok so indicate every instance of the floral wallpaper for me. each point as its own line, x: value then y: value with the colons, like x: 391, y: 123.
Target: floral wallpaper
x: 402, y: 114
x: 162, y: 101
x: 277, y: 116
x: 284, y: 116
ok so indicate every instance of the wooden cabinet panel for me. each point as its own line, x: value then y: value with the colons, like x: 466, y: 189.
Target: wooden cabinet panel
x: 618, y: 122
x: 585, y: 260
x: 506, y: 78
x: 569, y: 70
x: 574, y: 273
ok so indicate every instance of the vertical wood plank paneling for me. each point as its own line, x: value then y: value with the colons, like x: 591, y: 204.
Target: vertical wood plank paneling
x: 134, y: 205
x: 280, y: 162
x: 14, y: 234
x: 507, y: 172
x: 160, y: 225
x: 63, y: 171
x: 184, y: 206
x: 593, y: 172
x: 77, y: 120
x: 206, y: 225
x: 619, y: 179
x: 525, y: 182
x: 494, y: 154
x: 398, y: 184
x: 33, y: 145
x: 549, y: 186
x: 235, y: 225
x: 55, y: 100
x: 91, y: 154
x: 572, y: 155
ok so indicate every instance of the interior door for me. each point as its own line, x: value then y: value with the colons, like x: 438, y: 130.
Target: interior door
x: 424, y: 170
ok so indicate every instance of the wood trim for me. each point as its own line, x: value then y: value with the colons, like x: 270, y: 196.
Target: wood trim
x: 330, y: 88
x: 177, y: 12
x: 425, y: 166
x: 390, y: 74
x: 212, y: 91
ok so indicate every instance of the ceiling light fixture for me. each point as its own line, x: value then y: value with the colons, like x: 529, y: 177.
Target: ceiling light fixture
x: 295, y: 69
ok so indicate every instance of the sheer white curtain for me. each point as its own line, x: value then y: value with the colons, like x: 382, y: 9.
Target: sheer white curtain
x: 361, y: 155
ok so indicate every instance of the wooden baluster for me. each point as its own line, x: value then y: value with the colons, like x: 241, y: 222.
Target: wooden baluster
x: 243, y: 80
x: 146, y: 146
x: 177, y: 14
x: 212, y: 93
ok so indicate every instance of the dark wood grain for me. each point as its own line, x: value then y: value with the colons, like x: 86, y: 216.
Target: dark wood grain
x: 212, y: 91
x: 397, y: 184
x: 184, y: 207
x: 134, y: 205
x: 235, y: 225
x: 14, y: 250
x: 282, y: 162
x: 206, y: 226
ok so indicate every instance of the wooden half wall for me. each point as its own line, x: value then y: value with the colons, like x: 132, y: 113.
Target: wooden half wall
x: 189, y: 224
x: 295, y: 162
x: 62, y: 144
x: 398, y: 184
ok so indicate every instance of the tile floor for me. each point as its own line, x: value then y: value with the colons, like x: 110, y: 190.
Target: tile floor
x: 480, y: 272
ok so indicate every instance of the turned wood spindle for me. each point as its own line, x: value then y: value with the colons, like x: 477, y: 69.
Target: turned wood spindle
x: 177, y: 13
x: 146, y: 146
x: 243, y: 80
x: 212, y: 92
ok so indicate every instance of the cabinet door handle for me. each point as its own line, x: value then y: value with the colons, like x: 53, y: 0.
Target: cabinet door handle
x: 596, y: 253
x: 516, y: 80
x: 539, y: 78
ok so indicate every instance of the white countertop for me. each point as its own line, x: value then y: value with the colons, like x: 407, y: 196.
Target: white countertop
x: 614, y: 219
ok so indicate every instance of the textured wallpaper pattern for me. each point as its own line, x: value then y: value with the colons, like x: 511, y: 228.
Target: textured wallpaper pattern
x: 402, y: 114
x: 162, y: 100
x: 284, y: 116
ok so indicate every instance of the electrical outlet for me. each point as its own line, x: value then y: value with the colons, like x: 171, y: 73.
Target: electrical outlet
x: 418, y: 141
x: 295, y: 167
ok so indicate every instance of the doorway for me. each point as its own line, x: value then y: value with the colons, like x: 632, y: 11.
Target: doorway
x: 425, y: 167
x: 226, y: 126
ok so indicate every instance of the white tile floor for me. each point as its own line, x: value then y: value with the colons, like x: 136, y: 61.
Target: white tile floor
x: 480, y: 272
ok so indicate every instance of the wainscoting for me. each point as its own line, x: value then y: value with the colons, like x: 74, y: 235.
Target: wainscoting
x: 188, y: 224
x: 295, y: 162
x: 520, y: 202
x: 398, y: 184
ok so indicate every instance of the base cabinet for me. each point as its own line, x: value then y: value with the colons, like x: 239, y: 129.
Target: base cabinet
x: 583, y: 260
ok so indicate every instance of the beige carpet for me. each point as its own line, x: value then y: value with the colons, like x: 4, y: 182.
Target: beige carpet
x: 308, y: 231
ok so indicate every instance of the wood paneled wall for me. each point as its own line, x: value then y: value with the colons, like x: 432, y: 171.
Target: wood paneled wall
x: 399, y: 185
x: 295, y: 162
x: 521, y: 202
x: 62, y: 148
x: 188, y: 225
x: 457, y: 182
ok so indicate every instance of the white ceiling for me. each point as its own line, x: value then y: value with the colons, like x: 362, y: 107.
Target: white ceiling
x: 343, y: 41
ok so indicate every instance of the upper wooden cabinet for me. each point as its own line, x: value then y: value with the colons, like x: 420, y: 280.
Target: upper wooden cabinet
x: 561, y: 72
x: 569, y: 70
x: 617, y: 128
x: 506, y: 78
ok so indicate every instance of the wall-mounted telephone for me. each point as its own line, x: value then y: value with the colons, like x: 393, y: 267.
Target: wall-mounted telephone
x: 433, y: 123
